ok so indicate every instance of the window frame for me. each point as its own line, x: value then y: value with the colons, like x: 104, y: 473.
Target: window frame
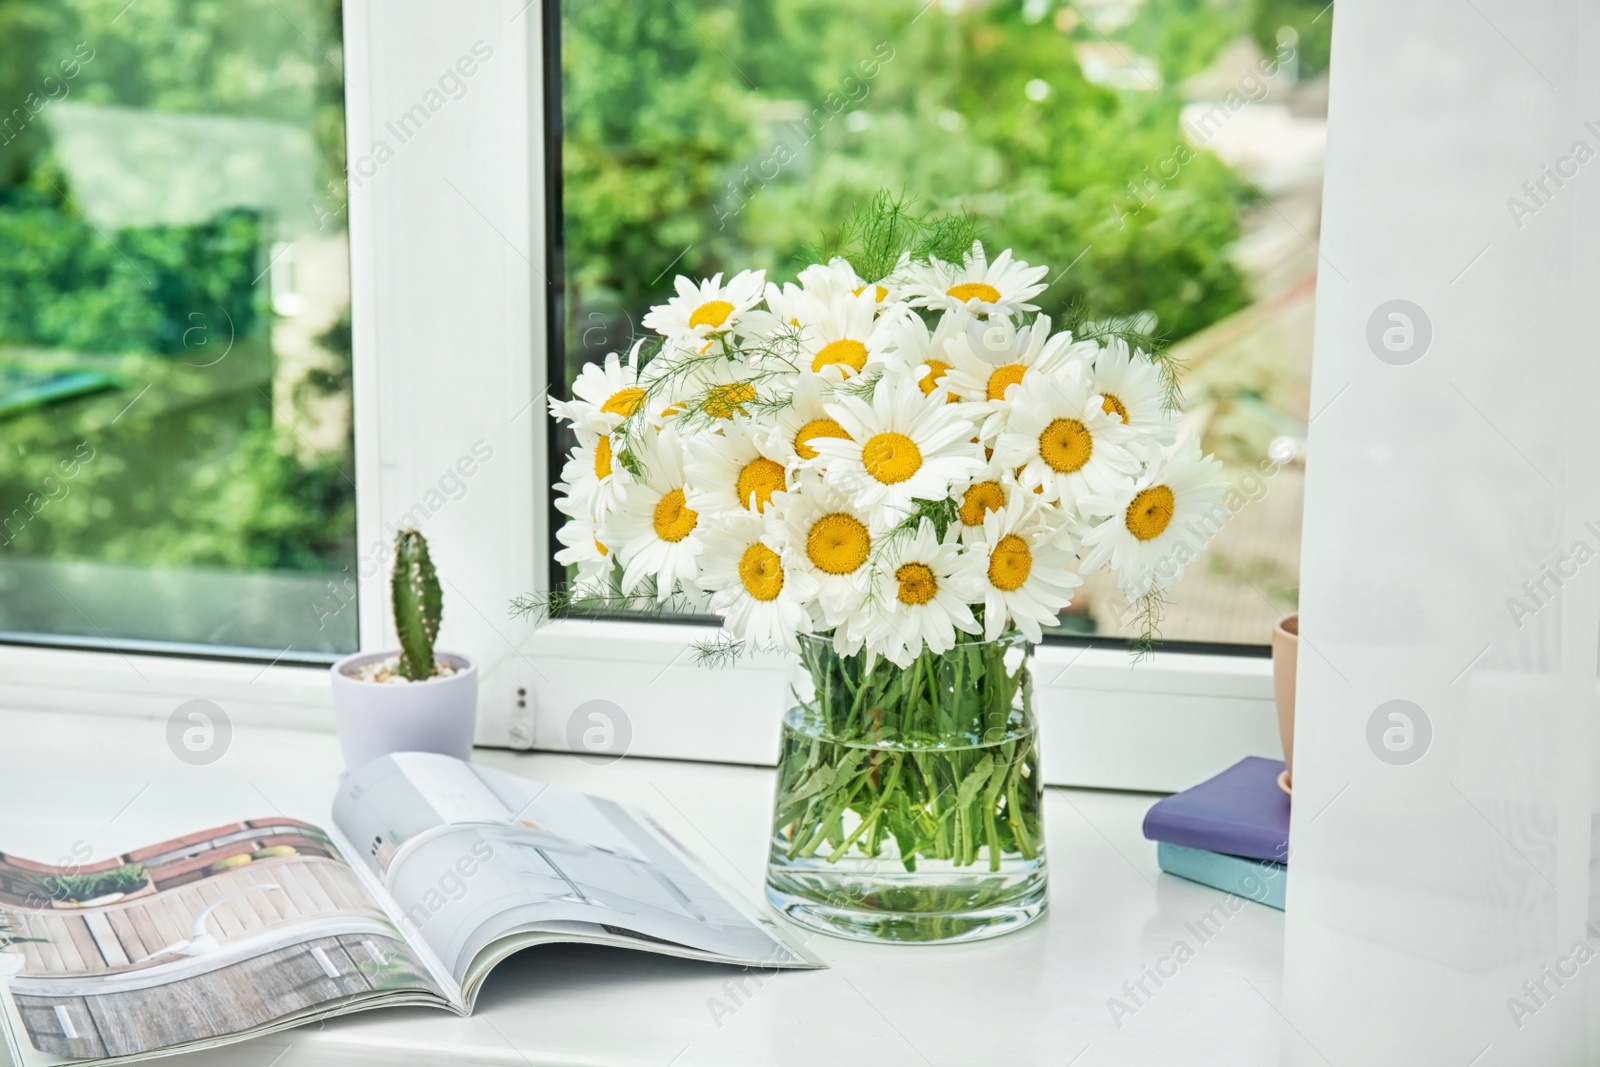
x: 1106, y: 721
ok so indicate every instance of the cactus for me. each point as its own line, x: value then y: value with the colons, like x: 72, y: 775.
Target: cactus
x: 417, y: 605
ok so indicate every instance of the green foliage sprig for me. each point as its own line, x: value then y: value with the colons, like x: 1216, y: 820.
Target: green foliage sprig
x: 1138, y: 334
x: 598, y: 603
x: 76, y: 888
x: 877, y: 232
x: 1149, y: 610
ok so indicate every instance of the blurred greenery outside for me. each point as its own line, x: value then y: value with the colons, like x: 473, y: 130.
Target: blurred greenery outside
x: 154, y: 346
x: 721, y: 135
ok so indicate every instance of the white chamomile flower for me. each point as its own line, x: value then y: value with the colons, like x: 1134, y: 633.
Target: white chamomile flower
x: 833, y: 540
x: 716, y: 388
x: 975, y: 285
x: 1157, y: 524
x: 989, y: 490
x: 900, y: 448
x: 991, y: 358
x: 1024, y: 568
x: 787, y: 310
x: 755, y: 584
x: 833, y: 278
x: 604, y: 394
x: 923, y: 351
x: 1133, y: 388
x: 707, y: 307
x: 735, y: 470
x: 593, y: 473
x: 837, y: 277
x: 655, y: 531
x: 671, y: 378
x: 1061, y: 440
x: 844, y: 337
x: 580, y: 536
x: 921, y: 595
x: 805, y: 418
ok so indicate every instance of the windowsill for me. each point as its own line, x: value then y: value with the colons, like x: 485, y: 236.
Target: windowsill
x: 1039, y: 996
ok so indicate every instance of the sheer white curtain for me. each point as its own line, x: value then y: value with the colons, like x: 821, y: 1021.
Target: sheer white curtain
x: 1445, y: 762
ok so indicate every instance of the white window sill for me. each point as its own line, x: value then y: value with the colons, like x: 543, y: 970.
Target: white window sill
x: 1039, y: 996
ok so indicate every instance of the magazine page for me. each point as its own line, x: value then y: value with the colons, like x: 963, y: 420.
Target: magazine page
x: 473, y: 856
x: 216, y: 934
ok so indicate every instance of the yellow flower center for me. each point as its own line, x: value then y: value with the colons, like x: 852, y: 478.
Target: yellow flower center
x: 598, y: 547
x: 891, y: 458
x: 724, y: 400
x: 980, y: 499
x: 760, y: 478
x: 602, y: 457
x: 1065, y: 446
x: 673, y: 520
x: 838, y: 543
x: 668, y: 412
x: 929, y: 382
x: 623, y: 402
x: 1004, y: 378
x: 1010, y: 563
x: 761, y: 572
x: 1151, y: 512
x: 712, y: 313
x: 881, y: 294
x: 846, y: 353
x: 917, y: 583
x: 1112, y: 406
x: 811, y: 431
x: 974, y: 291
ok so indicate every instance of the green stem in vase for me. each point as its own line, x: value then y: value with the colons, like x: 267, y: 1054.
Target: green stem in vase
x: 931, y: 759
x: 872, y: 815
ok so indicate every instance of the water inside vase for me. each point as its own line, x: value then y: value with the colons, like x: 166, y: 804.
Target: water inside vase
x: 911, y: 840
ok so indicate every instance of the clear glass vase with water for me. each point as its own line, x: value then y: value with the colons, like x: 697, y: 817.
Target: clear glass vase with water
x: 909, y: 802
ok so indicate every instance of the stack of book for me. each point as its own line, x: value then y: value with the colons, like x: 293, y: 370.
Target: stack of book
x: 1230, y: 832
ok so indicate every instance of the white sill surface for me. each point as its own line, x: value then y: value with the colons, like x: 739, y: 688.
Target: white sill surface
x: 1038, y: 996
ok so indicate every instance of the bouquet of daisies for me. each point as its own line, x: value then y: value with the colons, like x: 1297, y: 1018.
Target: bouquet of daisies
x: 893, y: 461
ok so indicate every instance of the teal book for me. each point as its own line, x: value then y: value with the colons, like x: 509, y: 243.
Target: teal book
x: 1259, y: 880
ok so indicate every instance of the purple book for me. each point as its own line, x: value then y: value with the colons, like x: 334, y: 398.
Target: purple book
x: 1240, y: 812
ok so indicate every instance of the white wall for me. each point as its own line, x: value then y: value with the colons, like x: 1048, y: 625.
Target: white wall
x: 1423, y: 894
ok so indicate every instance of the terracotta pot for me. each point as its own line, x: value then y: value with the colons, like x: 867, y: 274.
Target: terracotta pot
x: 1285, y: 651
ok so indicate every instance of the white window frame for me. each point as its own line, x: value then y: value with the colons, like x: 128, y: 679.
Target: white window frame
x: 449, y: 306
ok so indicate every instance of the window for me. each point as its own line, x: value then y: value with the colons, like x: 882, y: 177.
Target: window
x: 175, y: 372
x: 447, y: 109
x: 1163, y: 156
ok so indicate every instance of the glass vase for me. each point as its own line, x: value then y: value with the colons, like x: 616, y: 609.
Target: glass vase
x: 909, y: 803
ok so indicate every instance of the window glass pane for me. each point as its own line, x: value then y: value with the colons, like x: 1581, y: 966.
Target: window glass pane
x: 175, y: 417
x: 1164, y: 157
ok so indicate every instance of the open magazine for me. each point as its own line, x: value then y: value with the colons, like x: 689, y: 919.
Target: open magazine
x: 434, y: 871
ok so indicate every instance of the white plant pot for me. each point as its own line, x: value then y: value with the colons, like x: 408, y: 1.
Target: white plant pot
x: 375, y: 719
x: 11, y: 963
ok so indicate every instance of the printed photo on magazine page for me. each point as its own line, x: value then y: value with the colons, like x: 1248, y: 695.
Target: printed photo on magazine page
x: 218, y: 933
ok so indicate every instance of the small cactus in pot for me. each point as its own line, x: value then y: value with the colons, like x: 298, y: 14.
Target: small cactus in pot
x: 414, y: 699
x: 418, y: 604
